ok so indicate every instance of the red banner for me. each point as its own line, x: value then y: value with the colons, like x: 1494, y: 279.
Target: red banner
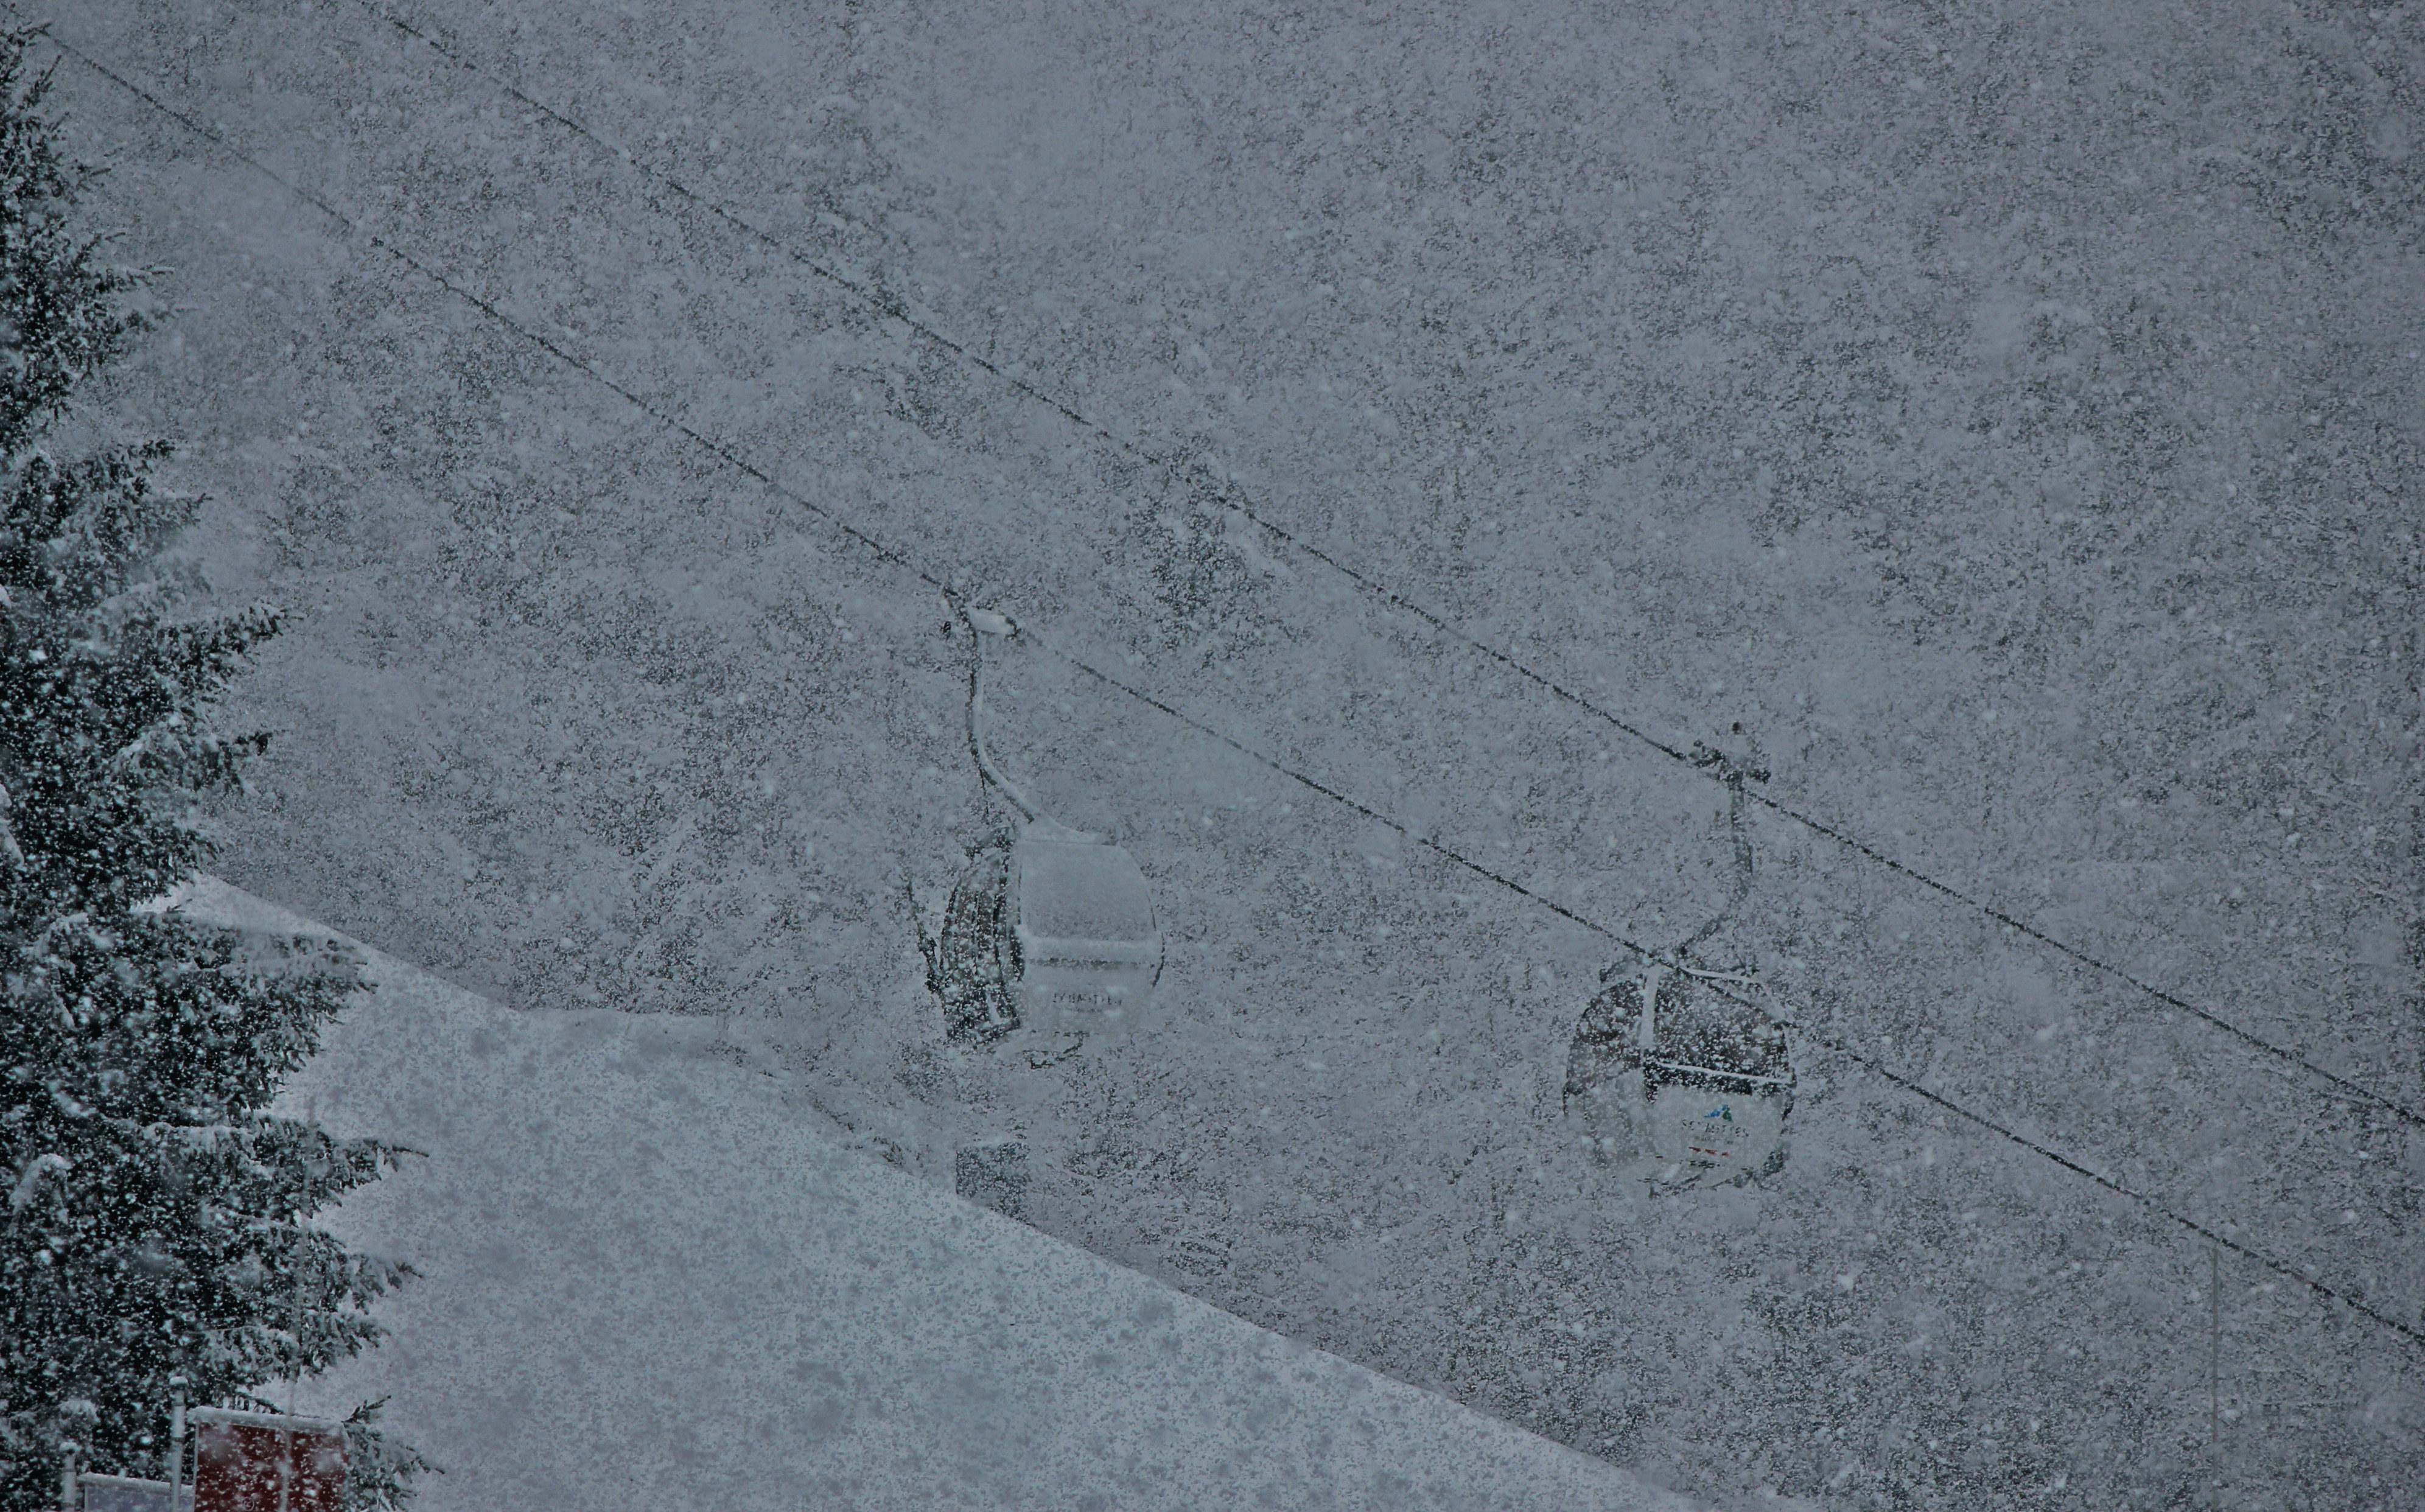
x: 260, y: 1465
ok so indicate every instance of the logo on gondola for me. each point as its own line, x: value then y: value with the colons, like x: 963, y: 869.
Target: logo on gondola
x: 1724, y: 1110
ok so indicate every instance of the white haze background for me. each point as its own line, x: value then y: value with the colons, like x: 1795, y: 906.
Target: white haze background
x: 2008, y: 413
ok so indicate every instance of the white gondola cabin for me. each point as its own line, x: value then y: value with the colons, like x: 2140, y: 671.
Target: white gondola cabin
x: 1680, y: 1078
x: 1052, y: 937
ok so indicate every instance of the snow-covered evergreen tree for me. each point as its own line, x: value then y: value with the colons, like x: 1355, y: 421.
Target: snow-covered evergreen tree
x: 156, y: 1228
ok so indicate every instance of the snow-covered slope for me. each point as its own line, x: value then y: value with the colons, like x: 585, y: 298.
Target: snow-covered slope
x: 648, y: 1282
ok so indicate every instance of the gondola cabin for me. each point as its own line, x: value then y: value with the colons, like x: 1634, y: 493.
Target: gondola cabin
x: 1681, y: 1079
x: 1055, y: 939
x: 1679, y: 1085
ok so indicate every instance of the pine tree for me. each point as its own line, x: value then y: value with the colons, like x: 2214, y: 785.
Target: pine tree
x: 156, y: 1227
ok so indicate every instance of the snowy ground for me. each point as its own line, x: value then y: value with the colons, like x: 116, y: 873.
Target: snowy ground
x: 2009, y: 415
x: 644, y: 1282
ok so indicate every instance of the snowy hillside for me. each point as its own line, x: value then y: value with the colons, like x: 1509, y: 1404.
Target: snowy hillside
x: 2009, y: 415
x: 647, y: 1282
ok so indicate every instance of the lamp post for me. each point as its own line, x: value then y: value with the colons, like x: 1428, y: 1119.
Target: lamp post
x: 176, y: 1441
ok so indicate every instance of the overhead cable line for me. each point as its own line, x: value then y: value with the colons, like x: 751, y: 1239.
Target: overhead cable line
x: 902, y: 559
x: 886, y: 303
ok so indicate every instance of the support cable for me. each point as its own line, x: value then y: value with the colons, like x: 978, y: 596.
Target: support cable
x: 900, y: 558
x: 884, y: 302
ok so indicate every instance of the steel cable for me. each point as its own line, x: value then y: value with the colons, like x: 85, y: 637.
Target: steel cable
x: 903, y: 559
x: 886, y: 303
